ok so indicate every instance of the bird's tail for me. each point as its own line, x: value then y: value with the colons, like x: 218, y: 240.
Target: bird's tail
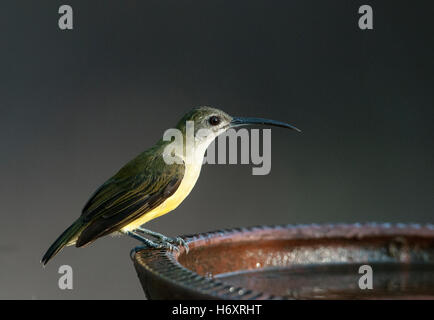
x: 63, y: 240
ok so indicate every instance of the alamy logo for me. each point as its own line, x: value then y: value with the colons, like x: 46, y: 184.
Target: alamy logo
x: 366, y: 280
x: 66, y: 19
x: 65, y: 281
x: 366, y: 21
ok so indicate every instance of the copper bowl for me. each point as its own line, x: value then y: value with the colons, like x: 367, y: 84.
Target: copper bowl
x: 294, y: 262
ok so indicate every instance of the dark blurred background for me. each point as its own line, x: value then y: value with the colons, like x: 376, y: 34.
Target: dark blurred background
x: 76, y: 105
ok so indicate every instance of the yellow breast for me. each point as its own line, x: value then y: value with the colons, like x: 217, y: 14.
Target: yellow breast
x: 191, y: 175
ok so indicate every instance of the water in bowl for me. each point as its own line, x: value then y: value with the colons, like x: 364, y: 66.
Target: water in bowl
x: 338, y: 281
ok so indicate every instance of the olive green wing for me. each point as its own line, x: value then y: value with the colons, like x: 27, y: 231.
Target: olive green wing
x: 139, y: 187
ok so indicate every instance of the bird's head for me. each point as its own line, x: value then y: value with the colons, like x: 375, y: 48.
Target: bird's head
x: 217, y: 121
x: 200, y: 126
x: 205, y: 119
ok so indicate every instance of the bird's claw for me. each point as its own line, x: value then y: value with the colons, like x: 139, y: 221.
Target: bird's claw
x: 178, y: 241
x: 183, y: 243
x: 154, y: 245
x: 148, y: 244
x: 169, y: 246
x: 167, y: 242
x: 163, y: 242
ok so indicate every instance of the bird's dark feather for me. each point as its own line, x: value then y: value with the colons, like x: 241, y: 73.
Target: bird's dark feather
x: 140, y: 186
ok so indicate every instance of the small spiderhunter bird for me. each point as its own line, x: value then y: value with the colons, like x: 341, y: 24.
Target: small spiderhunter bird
x: 148, y: 186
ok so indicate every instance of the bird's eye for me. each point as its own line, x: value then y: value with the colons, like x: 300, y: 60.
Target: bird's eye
x: 214, y: 120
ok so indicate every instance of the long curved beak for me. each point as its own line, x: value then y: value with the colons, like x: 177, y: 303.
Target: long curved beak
x: 242, y: 121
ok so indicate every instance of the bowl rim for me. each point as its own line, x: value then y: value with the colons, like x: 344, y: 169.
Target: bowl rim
x: 164, y: 264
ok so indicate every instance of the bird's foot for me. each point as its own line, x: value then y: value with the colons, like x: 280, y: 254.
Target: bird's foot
x: 177, y: 241
x: 153, y: 245
x: 180, y: 242
x: 167, y: 243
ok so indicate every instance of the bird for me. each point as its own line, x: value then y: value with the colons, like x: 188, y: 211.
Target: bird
x: 149, y: 186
